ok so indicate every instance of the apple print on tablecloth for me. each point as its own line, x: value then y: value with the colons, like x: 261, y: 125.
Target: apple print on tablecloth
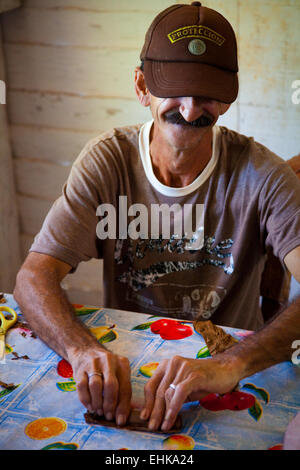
x: 237, y: 401
x: 64, y: 369
x: 178, y: 442
x: 103, y: 334
x: 276, y: 447
x: 234, y: 401
x: 168, y: 329
x: 147, y: 370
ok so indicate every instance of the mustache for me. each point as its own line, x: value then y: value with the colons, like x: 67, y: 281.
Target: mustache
x: 175, y: 117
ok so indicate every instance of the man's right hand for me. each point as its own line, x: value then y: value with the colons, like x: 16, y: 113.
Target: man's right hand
x: 103, y: 383
x: 50, y: 315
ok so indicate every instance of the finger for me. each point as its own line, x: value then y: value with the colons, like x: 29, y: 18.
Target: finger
x: 111, y: 386
x: 173, y: 406
x: 161, y: 399
x: 96, y: 390
x: 82, y: 386
x: 123, y: 407
x: 150, y: 391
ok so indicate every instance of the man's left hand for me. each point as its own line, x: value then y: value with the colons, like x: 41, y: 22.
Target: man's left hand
x: 193, y: 379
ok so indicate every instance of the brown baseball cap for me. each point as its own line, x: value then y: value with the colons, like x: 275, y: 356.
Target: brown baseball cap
x: 191, y: 50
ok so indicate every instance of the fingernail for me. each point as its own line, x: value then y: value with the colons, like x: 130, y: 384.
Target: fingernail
x: 144, y: 414
x: 152, y: 424
x: 109, y: 416
x: 100, y: 412
x: 165, y: 425
x: 121, y: 420
x: 89, y: 408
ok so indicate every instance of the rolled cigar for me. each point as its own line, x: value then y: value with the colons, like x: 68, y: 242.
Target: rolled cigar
x: 134, y: 423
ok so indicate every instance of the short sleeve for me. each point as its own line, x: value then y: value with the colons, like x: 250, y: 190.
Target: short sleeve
x: 69, y: 229
x: 279, y: 206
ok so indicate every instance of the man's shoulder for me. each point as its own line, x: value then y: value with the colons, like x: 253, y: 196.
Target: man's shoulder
x: 114, y: 135
x: 111, y: 145
x: 247, y: 150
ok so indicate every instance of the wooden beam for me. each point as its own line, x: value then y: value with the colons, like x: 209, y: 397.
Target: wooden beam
x: 6, y: 5
x: 9, y: 234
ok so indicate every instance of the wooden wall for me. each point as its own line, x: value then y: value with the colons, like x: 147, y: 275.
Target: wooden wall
x: 70, y: 66
x: 10, y: 255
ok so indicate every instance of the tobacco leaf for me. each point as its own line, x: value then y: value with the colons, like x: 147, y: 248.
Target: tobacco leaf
x: 5, y: 385
x: 216, y: 339
x: 16, y: 356
x: 134, y: 423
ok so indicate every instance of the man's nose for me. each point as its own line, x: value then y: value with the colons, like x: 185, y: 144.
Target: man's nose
x: 191, y: 107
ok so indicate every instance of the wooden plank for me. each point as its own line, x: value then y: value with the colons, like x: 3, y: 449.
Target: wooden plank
x: 267, y: 73
x: 277, y: 129
x: 77, y: 28
x: 86, y: 72
x: 40, y: 179
x: 101, y: 5
x: 9, y: 234
x: 80, y: 28
x: 256, y: 45
x: 72, y: 112
x: 6, y: 5
x: 53, y: 145
x: 32, y: 212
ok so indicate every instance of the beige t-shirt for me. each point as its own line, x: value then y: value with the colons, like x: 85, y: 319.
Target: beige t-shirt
x: 248, y: 201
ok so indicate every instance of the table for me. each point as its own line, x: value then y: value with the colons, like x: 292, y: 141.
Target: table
x: 41, y: 410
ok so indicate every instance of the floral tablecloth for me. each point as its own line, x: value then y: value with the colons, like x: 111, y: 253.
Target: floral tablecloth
x: 39, y: 407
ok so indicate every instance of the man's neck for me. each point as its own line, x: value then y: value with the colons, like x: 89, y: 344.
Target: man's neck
x: 179, y: 167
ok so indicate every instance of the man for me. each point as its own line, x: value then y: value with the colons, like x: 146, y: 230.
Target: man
x: 251, y: 202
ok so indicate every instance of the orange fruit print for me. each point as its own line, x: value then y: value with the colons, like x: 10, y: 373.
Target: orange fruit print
x: 43, y: 428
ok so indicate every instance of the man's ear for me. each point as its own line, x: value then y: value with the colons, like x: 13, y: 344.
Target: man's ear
x: 223, y: 107
x: 141, y: 89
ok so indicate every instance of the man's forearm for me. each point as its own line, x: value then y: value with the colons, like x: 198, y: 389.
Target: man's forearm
x: 270, y: 345
x: 98, y: 373
x: 49, y: 313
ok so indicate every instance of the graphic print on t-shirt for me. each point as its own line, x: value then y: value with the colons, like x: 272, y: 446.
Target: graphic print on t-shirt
x: 198, y: 301
x: 147, y: 262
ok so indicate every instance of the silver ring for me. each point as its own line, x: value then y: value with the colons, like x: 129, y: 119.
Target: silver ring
x: 95, y: 373
x: 172, y: 386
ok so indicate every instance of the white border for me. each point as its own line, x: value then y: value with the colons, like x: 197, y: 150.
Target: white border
x: 144, y: 144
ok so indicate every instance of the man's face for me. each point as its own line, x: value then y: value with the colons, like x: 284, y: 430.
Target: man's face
x: 182, y: 121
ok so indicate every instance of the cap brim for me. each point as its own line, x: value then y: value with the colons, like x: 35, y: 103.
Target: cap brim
x: 171, y: 79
